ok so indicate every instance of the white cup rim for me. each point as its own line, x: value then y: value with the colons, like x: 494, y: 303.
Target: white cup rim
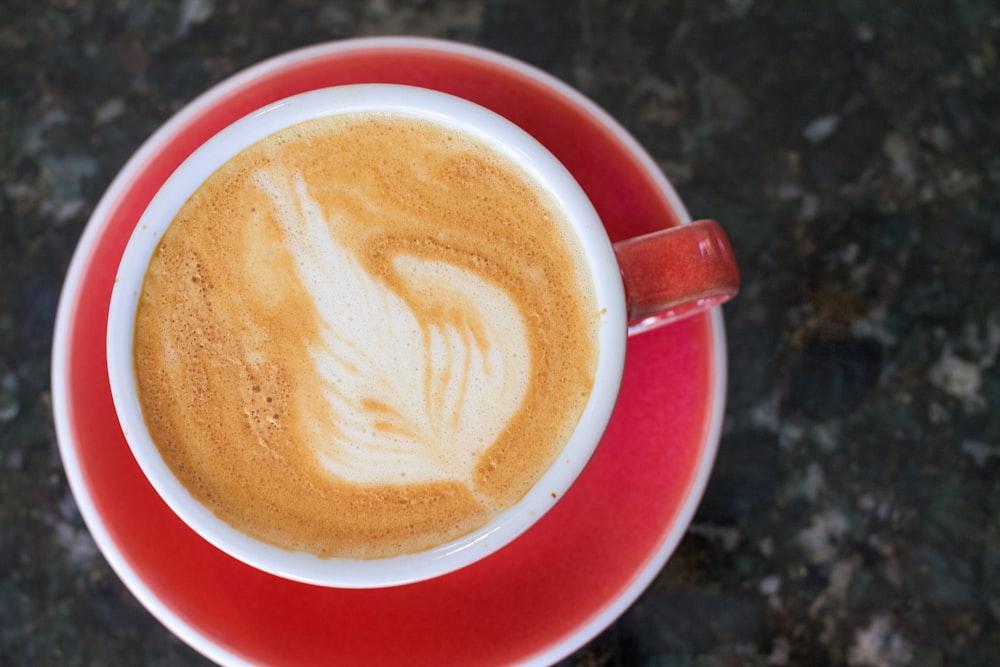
x: 434, y: 105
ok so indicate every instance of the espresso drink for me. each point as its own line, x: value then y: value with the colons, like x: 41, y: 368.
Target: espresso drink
x: 365, y: 336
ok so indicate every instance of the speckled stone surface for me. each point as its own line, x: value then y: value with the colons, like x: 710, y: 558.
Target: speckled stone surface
x: 852, y: 150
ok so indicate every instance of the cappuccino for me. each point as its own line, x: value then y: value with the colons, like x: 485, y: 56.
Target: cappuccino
x: 365, y: 336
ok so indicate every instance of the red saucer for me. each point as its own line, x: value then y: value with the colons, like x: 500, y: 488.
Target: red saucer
x: 535, y: 601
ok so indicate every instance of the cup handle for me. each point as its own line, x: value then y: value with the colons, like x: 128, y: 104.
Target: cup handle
x: 676, y: 272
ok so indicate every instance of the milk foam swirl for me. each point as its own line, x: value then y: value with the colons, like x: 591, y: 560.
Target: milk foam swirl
x: 416, y: 391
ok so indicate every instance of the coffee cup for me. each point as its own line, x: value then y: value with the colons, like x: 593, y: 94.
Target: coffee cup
x: 370, y: 334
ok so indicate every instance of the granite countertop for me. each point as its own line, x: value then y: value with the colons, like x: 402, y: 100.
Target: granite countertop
x: 851, y: 149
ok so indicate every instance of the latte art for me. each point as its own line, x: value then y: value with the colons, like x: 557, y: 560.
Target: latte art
x: 365, y: 335
x: 417, y: 388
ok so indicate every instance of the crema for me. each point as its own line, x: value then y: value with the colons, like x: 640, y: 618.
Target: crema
x: 365, y: 336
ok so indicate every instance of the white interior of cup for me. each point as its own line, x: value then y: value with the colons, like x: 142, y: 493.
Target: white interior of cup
x: 472, y: 119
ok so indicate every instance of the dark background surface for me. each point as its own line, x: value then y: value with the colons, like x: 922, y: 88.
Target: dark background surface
x: 851, y: 149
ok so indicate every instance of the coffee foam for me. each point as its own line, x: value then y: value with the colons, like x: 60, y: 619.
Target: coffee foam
x: 364, y: 336
x: 417, y: 388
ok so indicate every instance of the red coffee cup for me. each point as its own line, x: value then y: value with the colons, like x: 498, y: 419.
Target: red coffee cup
x: 573, y: 572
